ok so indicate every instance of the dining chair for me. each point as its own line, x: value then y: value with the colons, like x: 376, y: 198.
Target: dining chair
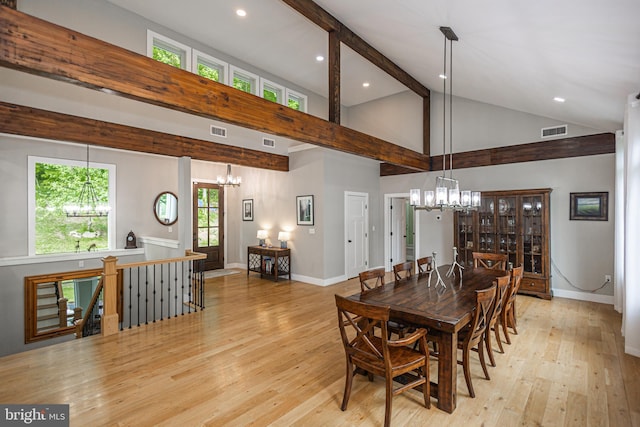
x: 425, y: 264
x: 470, y: 338
x: 490, y: 260
x: 508, y: 317
x: 371, y: 279
x: 502, y: 286
x: 379, y: 355
x: 403, y: 271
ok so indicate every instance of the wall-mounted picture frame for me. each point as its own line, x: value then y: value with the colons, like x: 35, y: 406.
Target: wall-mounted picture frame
x: 304, y: 210
x: 247, y: 209
x: 589, y: 206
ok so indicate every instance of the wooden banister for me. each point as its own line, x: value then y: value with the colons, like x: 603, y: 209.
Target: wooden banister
x: 82, y: 321
x: 189, y: 256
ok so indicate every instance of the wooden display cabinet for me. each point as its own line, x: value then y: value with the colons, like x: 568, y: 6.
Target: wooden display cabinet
x: 515, y: 223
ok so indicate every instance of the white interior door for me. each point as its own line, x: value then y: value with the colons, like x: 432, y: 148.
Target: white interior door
x: 356, y: 235
x: 398, y: 231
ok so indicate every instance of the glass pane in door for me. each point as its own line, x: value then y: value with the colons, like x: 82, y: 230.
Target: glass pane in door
x: 533, y: 244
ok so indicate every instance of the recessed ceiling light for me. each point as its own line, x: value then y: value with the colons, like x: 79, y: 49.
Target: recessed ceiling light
x: 442, y: 76
x: 241, y: 12
x: 558, y: 99
x: 319, y: 58
x: 365, y: 84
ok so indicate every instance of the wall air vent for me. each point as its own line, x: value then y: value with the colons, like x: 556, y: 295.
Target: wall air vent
x: 218, y: 131
x: 268, y: 142
x: 554, y: 131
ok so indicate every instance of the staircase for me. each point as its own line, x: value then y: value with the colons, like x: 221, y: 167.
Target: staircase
x: 47, y: 308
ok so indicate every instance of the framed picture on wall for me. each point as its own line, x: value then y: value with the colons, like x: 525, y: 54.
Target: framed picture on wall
x: 304, y: 209
x: 589, y: 206
x: 247, y: 210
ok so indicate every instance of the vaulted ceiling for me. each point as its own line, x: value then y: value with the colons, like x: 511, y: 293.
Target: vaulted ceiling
x: 519, y: 55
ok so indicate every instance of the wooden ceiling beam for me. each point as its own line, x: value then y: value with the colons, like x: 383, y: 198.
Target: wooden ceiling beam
x: 588, y: 145
x: 27, y: 121
x: 39, y: 47
x: 327, y: 22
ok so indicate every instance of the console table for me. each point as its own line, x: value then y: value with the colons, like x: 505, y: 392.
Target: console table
x: 271, y: 263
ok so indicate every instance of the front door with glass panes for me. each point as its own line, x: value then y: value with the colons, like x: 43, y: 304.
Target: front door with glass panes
x: 208, y: 223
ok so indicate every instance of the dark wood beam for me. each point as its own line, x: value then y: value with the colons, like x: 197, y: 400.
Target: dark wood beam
x: 326, y: 21
x: 589, y: 145
x: 334, y: 77
x: 27, y: 121
x: 426, y: 126
x: 39, y: 47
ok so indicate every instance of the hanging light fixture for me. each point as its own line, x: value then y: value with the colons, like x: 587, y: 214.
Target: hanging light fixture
x: 447, y: 194
x: 87, y: 204
x: 229, y: 180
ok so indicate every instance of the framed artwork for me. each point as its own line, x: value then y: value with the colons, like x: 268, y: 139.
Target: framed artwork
x: 589, y: 206
x: 247, y: 210
x: 304, y: 208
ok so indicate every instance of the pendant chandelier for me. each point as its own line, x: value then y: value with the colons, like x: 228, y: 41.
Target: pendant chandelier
x: 87, y: 204
x: 229, y: 180
x: 447, y: 194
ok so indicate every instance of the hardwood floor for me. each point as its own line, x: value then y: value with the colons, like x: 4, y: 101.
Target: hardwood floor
x: 276, y: 359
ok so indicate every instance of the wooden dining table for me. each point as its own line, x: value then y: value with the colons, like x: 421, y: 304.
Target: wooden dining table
x: 442, y: 309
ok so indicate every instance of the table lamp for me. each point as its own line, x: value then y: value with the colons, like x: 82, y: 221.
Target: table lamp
x: 283, y: 236
x: 262, y: 235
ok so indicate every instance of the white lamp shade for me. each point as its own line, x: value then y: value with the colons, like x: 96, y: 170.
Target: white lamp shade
x: 262, y: 234
x: 284, y: 236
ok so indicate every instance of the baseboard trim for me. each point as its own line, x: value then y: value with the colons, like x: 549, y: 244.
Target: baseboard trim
x: 318, y: 282
x: 583, y: 296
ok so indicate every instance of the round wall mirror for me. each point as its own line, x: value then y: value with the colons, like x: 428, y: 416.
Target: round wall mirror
x: 165, y: 208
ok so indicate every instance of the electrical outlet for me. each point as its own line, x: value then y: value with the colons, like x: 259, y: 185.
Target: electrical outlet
x: 607, y: 278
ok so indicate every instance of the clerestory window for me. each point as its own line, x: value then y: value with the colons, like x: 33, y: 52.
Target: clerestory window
x: 168, y: 51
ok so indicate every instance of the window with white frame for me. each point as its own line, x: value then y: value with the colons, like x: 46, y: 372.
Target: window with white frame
x: 54, y: 183
x: 243, y: 80
x: 272, y: 91
x: 296, y: 100
x: 171, y: 52
x: 168, y: 51
x: 210, y: 67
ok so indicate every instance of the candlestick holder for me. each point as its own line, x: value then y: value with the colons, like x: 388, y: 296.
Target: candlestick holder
x: 455, y: 263
x: 435, y: 268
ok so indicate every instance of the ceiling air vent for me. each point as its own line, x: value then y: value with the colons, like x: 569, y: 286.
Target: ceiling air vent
x: 218, y: 131
x: 554, y: 131
x: 268, y: 142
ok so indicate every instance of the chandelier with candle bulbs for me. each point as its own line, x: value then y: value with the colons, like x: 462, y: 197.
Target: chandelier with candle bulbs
x: 447, y: 194
x: 229, y: 180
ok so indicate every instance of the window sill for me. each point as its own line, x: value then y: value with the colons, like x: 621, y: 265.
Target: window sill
x: 41, y: 259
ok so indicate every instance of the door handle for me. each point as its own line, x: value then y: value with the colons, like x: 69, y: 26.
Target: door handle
x: 349, y: 241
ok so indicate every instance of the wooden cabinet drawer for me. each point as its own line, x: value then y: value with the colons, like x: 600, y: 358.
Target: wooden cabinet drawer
x: 529, y: 285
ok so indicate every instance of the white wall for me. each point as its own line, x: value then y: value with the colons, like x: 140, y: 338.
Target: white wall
x: 396, y: 118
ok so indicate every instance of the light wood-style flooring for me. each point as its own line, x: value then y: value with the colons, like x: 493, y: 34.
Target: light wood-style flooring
x: 276, y: 359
